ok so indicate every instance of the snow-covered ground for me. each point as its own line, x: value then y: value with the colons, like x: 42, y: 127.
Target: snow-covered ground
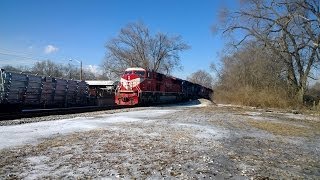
x: 31, y: 133
x: 190, y: 140
x: 16, y: 135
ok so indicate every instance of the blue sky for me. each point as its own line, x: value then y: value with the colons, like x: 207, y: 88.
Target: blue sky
x: 78, y: 29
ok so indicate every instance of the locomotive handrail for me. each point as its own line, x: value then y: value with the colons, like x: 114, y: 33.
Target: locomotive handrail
x: 138, y: 88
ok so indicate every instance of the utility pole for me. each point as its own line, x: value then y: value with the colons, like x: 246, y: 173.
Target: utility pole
x: 81, y: 70
x: 69, y: 69
x: 80, y: 67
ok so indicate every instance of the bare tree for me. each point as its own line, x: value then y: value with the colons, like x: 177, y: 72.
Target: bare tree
x: 70, y: 71
x: 88, y: 75
x: 48, y: 68
x: 135, y: 46
x: 251, y: 66
x: 15, y: 68
x: 290, y: 28
x: 253, y: 76
x: 73, y: 72
x: 201, y: 77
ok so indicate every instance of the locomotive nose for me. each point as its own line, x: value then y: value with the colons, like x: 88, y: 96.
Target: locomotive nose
x: 126, y: 77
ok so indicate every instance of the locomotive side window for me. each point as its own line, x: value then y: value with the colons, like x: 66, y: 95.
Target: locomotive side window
x: 159, y: 77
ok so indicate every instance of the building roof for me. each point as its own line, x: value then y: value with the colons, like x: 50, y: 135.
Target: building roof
x: 102, y: 83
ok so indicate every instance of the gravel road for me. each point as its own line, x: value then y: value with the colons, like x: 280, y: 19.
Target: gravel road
x: 195, y: 140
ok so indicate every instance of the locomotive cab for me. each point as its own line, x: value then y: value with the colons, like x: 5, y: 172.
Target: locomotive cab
x: 131, y: 74
x: 131, y: 79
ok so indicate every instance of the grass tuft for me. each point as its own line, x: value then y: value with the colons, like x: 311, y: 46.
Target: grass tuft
x: 282, y: 129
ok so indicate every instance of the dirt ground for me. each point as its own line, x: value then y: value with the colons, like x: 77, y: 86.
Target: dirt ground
x: 184, y: 142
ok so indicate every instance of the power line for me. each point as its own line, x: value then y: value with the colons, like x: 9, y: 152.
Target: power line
x: 15, y: 55
x: 33, y: 59
x: 6, y: 52
x: 17, y: 52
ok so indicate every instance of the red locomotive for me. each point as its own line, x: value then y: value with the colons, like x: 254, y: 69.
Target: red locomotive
x: 139, y: 86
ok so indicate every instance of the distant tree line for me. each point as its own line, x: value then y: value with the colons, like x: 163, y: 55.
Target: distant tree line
x: 201, y: 77
x: 52, y: 69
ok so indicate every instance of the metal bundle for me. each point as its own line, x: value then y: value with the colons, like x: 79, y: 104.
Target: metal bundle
x: 60, y: 92
x: 72, y: 87
x: 22, y: 90
x: 13, y: 87
x: 33, y: 90
x: 47, y: 94
x: 82, y: 93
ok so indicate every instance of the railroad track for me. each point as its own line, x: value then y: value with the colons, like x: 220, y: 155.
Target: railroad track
x: 30, y: 113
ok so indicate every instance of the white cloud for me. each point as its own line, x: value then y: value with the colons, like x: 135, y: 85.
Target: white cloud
x: 94, y: 69
x: 50, y: 49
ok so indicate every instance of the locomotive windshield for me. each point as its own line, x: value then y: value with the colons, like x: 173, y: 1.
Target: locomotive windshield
x: 139, y: 73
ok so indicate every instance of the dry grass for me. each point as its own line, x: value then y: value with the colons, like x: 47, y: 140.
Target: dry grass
x: 315, y: 126
x: 259, y: 98
x: 281, y: 128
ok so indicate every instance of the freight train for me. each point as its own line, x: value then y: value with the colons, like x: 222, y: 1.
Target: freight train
x: 141, y: 87
x: 136, y: 87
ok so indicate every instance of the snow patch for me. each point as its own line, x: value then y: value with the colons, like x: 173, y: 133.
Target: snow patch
x: 38, y: 159
x: 229, y: 105
x: 33, y: 132
x: 205, y: 132
x: 253, y: 113
x: 300, y: 117
x: 261, y: 118
x: 192, y: 103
